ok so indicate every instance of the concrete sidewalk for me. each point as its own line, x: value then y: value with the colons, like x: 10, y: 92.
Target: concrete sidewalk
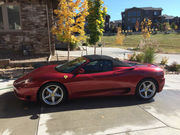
x: 119, y: 53
x: 6, y: 84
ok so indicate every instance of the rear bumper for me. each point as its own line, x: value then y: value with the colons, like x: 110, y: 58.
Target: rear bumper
x: 161, y: 84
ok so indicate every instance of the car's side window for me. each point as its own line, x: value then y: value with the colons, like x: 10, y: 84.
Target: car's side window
x: 98, y: 66
x: 93, y: 67
x: 107, y: 66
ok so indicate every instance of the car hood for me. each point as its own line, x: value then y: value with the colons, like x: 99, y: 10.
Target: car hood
x: 42, y: 72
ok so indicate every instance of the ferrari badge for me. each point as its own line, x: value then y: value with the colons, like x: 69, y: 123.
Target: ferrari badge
x: 65, y: 76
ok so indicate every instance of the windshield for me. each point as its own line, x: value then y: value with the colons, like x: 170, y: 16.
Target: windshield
x: 70, y: 66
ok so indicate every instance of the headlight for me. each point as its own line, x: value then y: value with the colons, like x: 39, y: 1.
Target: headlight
x: 27, y: 81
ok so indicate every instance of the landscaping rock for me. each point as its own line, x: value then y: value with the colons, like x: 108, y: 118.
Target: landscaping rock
x: 4, y: 62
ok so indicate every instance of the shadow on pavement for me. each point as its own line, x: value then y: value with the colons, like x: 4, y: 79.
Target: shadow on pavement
x: 11, y: 107
x: 95, y: 103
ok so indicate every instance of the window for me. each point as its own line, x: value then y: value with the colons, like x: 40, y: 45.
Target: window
x: 147, y: 13
x: 93, y: 67
x: 156, y: 13
x: 70, y: 66
x: 98, y: 66
x: 13, y: 17
x: 132, y: 20
x: 138, y: 13
x: 132, y: 13
x: 1, y: 19
x: 10, y: 17
x: 107, y: 66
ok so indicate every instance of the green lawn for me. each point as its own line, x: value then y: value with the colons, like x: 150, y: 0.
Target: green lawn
x: 168, y: 43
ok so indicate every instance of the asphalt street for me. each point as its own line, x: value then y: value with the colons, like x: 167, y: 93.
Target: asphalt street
x: 124, y: 115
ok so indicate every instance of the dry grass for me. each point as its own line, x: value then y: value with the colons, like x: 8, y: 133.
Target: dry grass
x: 168, y: 43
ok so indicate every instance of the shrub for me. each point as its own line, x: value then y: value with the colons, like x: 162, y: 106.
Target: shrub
x: 140, y: 57
x: 85, y: 44
x: 149, y: 55
x: 74, y: 46
x: 132, y: 57
x: 100, y: 45
x: 136, y: 57
x: 164, y: 61
x: 174, y: 67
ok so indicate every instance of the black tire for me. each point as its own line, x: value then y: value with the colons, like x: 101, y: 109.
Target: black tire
x: 43, y: 91
x: 139, y: 89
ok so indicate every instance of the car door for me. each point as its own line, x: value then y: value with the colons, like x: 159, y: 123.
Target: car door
x: 98, y: 79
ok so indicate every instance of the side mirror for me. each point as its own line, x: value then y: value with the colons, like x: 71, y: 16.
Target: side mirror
x: 81, y: 71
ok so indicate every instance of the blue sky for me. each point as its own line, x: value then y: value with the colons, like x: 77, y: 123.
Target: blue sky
x: 115, y: 7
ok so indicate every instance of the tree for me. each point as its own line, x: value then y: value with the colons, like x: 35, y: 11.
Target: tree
x: 146, y: 28
x: 120, y: 37
x: 167, y: 26
x: 95, y: 21
x: 174, y: 26
x: 161, y: 27
x: 137, y: 26
x: 71, y: 17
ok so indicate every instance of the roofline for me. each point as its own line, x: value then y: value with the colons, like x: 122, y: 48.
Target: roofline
x: 144, y: 8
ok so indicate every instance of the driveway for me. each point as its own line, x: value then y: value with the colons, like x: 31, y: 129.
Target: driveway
x: 123, y: 115
x: 120, y: 53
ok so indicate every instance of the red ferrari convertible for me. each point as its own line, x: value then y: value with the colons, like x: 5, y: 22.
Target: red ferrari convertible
x: 87, y: 76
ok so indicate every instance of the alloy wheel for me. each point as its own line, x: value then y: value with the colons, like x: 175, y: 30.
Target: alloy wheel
x: 147, y: 89
x: 52, y: 94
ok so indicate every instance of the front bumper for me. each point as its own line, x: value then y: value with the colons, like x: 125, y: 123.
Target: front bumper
x: 26, y: 93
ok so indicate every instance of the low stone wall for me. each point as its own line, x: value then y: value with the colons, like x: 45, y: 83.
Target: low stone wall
x: 4, y: 62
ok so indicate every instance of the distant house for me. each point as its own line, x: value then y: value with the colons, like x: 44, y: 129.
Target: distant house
x: 131, y: 15
x: 107, y: 23
x: 167, y: 18
x: 171, y: 19
x: 177, y: 21
x: 25, y: 26
x: 114, y: 25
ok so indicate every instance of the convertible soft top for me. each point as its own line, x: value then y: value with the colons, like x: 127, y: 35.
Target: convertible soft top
x: 116, y: 62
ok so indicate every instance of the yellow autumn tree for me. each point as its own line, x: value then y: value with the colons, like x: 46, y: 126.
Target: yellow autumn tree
x: 71, y: 17
x: 120, y: 37
x: 137, y: 26
x: 146, y: 28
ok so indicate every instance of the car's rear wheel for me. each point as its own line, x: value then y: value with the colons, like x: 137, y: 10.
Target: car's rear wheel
x: 147, y: 89
x: 52, y: 94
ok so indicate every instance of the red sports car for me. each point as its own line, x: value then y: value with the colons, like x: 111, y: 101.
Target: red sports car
x: 87, y: 76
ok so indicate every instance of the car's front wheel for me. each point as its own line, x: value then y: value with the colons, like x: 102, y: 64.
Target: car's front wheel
x: 146, y: 89
x: 52, y: 94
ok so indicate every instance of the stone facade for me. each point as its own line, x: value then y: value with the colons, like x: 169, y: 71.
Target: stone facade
x: 34, y: 36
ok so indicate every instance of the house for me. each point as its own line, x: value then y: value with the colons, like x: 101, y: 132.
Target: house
x: 114, y: 25
x: 167, y: 18
x: 25, y: 26
x: 131, y: 15
x: 107, y: 23
x: 177, y: 21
